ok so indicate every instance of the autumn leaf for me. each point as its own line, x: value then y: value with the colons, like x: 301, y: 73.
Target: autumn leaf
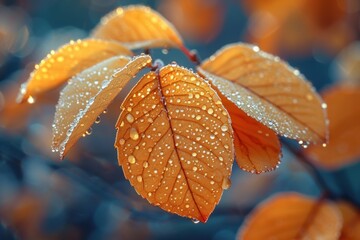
x: 175, y: 143
x: 292, y: 216
x: 344, y: 128
x: 351, y: 220
x: 70, y: 59
x: 257, y: 148
x: 88, y: 94
x: 268, y: 90
x: 296, y: 27
x: 138, y: 26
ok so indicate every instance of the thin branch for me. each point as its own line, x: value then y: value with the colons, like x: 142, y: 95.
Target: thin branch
x: 191, y: 55
x: 312, y: 169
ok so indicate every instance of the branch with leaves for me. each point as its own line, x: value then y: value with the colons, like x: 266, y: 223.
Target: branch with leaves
x: 179, y: 131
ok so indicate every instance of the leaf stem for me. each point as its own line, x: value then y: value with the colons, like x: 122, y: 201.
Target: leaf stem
x: 191, y: 55
x: 312, y: 169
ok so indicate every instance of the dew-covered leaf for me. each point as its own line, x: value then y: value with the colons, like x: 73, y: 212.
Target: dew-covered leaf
x: 292, y: 216
x: 88, y: 94
x: 257, y: 148
x: 268, y: 90
x: 343, y: 147
x: 68, y: 60
x: 351, y: 221
x: 138, y: 26
x: 175, y: 142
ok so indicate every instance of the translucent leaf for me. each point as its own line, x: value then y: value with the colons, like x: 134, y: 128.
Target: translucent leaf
x: 292, y: 216
x: 175, y: 143
x: 88, y: 94
x: 268, y: 90
x: 257, y: 148
x: 70, y: 59
x: 351, y: 221
x: 343, y: 147
x: 138, y: 27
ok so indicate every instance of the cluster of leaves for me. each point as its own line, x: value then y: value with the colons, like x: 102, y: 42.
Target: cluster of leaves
x: 179, y: 131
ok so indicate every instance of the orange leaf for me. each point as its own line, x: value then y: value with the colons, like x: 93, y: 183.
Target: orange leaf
x: 292, y: 216
x: 70, y: 59
x: 344, y: 128
x: 138, y: 27
x: 351, y: 220
x: 268, y: 90
x: 88, y: 94
x: 175, y: 143
x: 257, y: 148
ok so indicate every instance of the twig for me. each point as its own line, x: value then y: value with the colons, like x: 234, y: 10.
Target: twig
x: 191, y: 55
x: 312, y: 169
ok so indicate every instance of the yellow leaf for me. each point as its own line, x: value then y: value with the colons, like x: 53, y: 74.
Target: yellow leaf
x: 175, y: 142
x: 257, y: 148
x: 70, y: 59
x: 343, y: 147
x: 351, y: 219
x: 138, y: 27
x: 268, y: 90
x: 88, y: 94
x: 292, y: 216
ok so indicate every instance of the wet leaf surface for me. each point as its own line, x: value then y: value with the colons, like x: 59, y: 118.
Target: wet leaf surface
x: 175, y: 143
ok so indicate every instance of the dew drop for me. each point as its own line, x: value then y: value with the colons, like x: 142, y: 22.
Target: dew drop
x: 89, y: 131
x: 60, y: 59
x: 122, y: 141
x: 130, y: 118
x: 195, y: 221
x: 105, y: 111
x: 145, y: 164
x: 187, y: 206
x: 212, y: 182
x: 198, y: 117
x: 131, y: 159
x: 226, y: 183
x: 323, y: 105
x: 324, y: 144
x: 224, y: 128
x: 134, y: 135
x: 139, y: 178
x: 212, y: 136
x: 210, y: 111
x: 195, y: 169
x: 165, y: 51
x: 150, y: 120
x: 31, y: 100
x: 98, y: 119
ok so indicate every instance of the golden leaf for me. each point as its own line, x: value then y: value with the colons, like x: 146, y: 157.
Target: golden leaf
x: 292, y: 216
x: 88, y: 94
x: 351, y: 220
x: 70, y: 59
x: 138, y: 27
x: 268, y: 90
x: 343, y: 147
x: 175, y: 143
x: 257, y: 148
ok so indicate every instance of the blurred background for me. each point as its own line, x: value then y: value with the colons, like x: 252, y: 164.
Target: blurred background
x: 86, y: 196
